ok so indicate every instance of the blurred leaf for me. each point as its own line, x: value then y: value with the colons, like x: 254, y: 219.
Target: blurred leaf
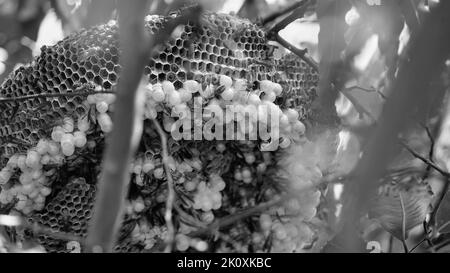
x: 19, y: 25
x: 410, y: 13
x: 367, y: 102
x: 409, y: 200
x: 443, y: 215
x: 331, y: 15
x: 253, y: 9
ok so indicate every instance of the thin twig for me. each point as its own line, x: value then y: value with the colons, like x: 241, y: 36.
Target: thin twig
x: 446, y: 175
x: 432, y: 142
x: 431, y: 151
x: 171, y: 192
x: 184, y: 216
x: 55, y: 95
x: 273, y: 33
x: 425, y: 160
x: 434, y: 214
x: 231, y: 219
x: 271, y: 17
x: 40, y: 229
x: 299, y: 52
x: 402, y: 204
x: 298, y: 12
x: 417, y: 245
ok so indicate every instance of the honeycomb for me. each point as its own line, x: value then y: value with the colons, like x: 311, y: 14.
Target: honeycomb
x: 69, y: 212
x: 223, y: 45
x: 89, y: 60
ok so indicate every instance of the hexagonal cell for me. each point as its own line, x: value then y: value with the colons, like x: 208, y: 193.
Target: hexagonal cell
x: 166, y: 67
x: 98, y: 80
x: 96, y: 68
x: 117, y: 69
x: 153, y: 78
x: 112, y: 77
x: 88, y: 65
x: 108, y: 56
x: 103, y: 73
x: 209, y: 67
x: 90, y: 75
x: 158, y: 66
x: 75, y: 66
x: 115, y: 59
x: 161, y: 77
x: 107, y: 85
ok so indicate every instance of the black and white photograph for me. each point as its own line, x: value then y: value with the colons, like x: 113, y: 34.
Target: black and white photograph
x: 224, y: 135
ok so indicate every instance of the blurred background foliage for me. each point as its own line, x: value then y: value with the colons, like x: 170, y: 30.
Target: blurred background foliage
x: 358, y: 44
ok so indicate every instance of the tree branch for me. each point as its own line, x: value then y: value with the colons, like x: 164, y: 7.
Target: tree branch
x: 272, y: 17
x: 136, y: 49
x: 171, y: 192
x: 113, y: 184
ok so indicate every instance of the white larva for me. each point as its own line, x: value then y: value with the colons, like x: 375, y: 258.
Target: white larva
x: 168, y: 87
x: 36, y: 174
x: 254, y: 99
x: 53, y: 148
x: 266, y: 86
x: 12, y: 161
x: 42, y: 147
x: 83, y: 124
x: 67, y: 148
x: 284, y: 143
x: 91, y: 99
x: 269, y: 96
x: 5, y: 175
x: 277, y: 89
x: 45, y: 159
x: 57, y: 133
x: 174, y: 98
x: 68, y: 124
x: 67, y: 138
x: 292, y: 115
x: 33, y: 159
x: 21, y: 162
x: 25, y: 178
x: 158, y: 94
x: 225, y: 81
x: 228, y: 94
x: 240, y: 85
x: 298, y: 127
x: 191, y: 86
x: 101, y: 106
x: 79, y: 139
x: 185, y: 95
x: 45, y: 191
x: 105, y: 122
x: 109, y: 98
